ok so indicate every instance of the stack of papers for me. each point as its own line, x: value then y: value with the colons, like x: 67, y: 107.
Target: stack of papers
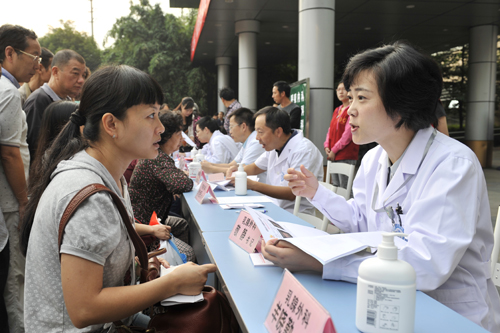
x: 243, y: 199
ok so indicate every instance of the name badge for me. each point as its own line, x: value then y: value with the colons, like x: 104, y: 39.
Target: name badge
x: 295, y: 310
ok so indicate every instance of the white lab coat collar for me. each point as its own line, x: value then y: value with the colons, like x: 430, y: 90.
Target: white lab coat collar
x: 408, y: 166
x: 289, y: 147
x: 214, y: 135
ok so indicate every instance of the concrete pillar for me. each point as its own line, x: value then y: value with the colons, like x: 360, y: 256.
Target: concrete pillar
x: 223, y: 65
x: 316, y: 59
x: 247, y: 31
x: 481, y: 92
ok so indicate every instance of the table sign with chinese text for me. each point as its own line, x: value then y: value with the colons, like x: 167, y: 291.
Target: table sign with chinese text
x: 295, y: 310
x: 202, y: 190
x: 245, y: 233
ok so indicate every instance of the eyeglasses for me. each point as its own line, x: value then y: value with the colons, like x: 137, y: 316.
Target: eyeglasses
x: 233, y: 126
x: 34, y: 57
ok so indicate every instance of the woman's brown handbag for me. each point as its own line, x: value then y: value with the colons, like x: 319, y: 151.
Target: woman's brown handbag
x: 213, y: 314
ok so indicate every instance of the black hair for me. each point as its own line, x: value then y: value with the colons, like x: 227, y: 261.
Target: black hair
x: 282, y: 86
x: 275, y: 118
x: 62, y: 58
x: 54, y: 118
x: 112, y: 89
x: 16, y: 37
x: 227, y: 93
x: 208, y: 122
x: 409, y: 83
x: 47, y: 57
x: 244, y: 115
x: 172, y: 122
x: 187, y: 103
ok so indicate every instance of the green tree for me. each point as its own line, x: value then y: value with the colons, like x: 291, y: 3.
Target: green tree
x: 159, y: 44
x: 454, y: 63
x: 66, y: 37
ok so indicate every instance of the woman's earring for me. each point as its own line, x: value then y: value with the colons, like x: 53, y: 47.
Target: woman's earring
x: 114, y: 136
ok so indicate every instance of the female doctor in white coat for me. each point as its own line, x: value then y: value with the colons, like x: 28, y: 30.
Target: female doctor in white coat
x: 417, y: 179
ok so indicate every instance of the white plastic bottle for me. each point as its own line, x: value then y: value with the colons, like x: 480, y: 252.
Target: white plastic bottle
x: 240, y: 181
x: 194, y: 152
x: 194, y: 167
x: 386, y: 292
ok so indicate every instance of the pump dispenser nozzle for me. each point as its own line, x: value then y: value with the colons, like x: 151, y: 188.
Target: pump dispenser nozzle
x: 387, y: 250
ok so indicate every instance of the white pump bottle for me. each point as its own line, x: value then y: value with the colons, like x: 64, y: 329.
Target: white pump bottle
x: 386, y: 291
x: 240, y: 181
x: 194, y: 167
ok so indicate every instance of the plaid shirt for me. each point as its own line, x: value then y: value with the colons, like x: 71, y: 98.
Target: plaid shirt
x: 230, y: 109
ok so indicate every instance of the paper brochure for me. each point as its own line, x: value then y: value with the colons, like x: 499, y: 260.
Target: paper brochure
x: 259, y: 260
x: 270, y: 228
x: 178, y: 299
x: 188, y: 140
x: 331, y: 247
x: 242, y: 199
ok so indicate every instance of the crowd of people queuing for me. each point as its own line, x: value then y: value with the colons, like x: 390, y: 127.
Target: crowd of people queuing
x: 114, y: 128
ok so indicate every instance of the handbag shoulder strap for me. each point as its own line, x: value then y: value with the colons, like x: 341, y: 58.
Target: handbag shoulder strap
x: 86, y: 192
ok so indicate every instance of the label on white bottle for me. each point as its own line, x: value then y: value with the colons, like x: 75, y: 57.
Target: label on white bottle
x: 385, y: 308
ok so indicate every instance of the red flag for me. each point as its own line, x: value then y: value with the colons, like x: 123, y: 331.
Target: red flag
x: 154, y: 219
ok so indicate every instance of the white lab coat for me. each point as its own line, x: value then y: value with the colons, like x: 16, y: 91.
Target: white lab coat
x: 446, y: 213
x: 220, y: 149
x: 250, y: 152
x: 297, y: 151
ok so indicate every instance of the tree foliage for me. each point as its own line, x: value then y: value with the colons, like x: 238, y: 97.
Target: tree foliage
x: 454, y: 64
x: 159, y: 44
x: 66, y: 37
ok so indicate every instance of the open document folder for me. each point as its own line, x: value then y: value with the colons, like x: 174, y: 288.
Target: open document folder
x: 331, y: 247
x: 178, y: 299
x: 318, y: 244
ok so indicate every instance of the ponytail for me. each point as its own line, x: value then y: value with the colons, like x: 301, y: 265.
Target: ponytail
x: 67, y: 143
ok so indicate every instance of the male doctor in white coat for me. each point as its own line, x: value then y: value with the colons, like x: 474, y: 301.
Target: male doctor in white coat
x: 242, y: 129
x: 285, y: 148
x: 417, y: 179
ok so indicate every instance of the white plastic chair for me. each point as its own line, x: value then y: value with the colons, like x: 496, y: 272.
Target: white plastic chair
x: 495, y: 266
x: 343, y: 169
x: 322, y: 224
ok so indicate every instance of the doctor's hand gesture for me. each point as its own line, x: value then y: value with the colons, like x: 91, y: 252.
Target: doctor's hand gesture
x: 303, y: 184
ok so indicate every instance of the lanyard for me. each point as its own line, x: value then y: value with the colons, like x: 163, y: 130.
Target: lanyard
x: 388, y: 210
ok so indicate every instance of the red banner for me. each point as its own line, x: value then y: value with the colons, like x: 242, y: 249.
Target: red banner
x: 200, y: 22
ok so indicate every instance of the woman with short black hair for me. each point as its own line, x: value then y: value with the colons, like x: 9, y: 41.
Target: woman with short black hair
x: 155, y: 182
x: 418, y: 181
